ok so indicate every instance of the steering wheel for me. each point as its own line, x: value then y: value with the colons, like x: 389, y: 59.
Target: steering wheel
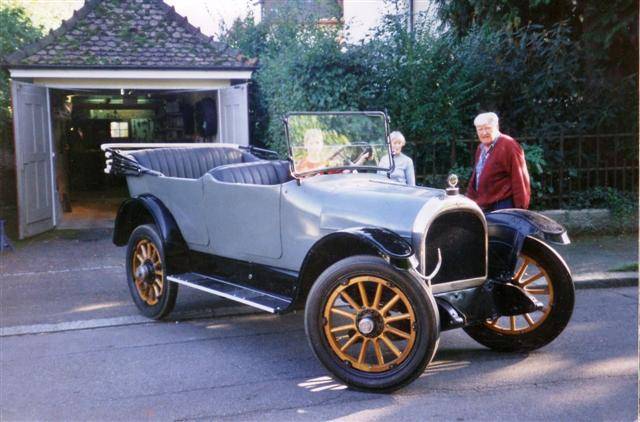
x: 341, y: 153
x: 367, y: 151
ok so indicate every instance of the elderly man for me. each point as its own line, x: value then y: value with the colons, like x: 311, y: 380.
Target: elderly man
x: 500, y: 178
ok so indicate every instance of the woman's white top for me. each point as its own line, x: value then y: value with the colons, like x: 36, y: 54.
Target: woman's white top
x: 403, y: 171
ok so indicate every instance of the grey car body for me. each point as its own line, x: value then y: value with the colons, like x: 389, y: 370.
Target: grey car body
x: 277, y: 225
x: 228, y: 221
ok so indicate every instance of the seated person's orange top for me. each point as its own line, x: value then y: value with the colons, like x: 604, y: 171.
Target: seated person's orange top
x: 314, y: 143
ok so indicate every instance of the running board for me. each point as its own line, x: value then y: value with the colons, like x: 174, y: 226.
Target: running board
x: 245, y: 295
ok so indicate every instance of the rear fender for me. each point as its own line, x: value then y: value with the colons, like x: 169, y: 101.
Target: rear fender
x: 147, y: 209
x: 507, y: 231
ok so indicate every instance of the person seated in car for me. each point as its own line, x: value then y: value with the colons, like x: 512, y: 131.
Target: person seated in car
x: 403, y: 171
x: 314, y: 143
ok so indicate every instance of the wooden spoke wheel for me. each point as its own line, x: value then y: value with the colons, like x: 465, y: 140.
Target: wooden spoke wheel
x: 148, y: 271
x: 541, y: 273
x: 373, y: 326
x: 362, y: 328
x: 154, y: 296
x: 533, y: 278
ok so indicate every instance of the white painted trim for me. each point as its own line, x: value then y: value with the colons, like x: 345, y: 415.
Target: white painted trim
x: 130, y: 74
x: 246, y: 103
x: 168, y: 84
x: 165, y: 84
x: 17, y: 114
x: 219, y: 112
x: 52, y: 153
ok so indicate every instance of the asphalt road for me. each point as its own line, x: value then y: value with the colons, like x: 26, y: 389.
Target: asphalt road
x: 259, y: 367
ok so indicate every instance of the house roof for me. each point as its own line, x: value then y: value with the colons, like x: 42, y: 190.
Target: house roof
x: 128, y: 34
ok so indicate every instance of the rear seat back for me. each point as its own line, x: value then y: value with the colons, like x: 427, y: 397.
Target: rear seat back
x: 190, y: 163
x: 257, y: 173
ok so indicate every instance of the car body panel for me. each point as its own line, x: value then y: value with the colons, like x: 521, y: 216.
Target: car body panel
x: 324, y: 204
x: 183, y: 198
x: 276, y: 225
x: 243, y: 220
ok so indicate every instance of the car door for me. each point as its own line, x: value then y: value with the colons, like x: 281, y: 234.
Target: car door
x: 243, y: 220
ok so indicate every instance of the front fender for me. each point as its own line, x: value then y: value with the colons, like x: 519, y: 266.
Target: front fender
x: 384, y: 240
x: 349, y: 242
x: 507, y: 231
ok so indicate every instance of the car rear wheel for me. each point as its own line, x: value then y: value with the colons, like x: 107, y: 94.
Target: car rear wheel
x: 542, y: 274
x: 372, y: 326
x: 152, y: 293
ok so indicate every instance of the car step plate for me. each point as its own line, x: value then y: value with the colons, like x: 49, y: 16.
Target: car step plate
x: 246, y: 295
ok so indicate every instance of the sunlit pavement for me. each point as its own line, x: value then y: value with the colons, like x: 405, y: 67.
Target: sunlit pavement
x: 73, y: 347
x: 259, y: 367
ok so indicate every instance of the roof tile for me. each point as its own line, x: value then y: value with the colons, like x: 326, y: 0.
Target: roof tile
x: 129, y: 34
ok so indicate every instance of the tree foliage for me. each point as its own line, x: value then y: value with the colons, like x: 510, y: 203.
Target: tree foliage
x: 608, y: 30
x: 432, y: 83
x: 17, y: 30
x: 301, y: 67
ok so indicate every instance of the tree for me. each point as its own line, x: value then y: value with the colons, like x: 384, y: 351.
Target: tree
x: 301, y: 67
x: 17, y: 30
x: 608, y: 30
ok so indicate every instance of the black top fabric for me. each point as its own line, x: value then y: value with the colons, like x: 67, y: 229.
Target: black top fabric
x: 190, y: 163
x: 257, y: 173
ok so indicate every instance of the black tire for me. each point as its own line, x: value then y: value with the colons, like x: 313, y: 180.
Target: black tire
x: 154, y: 296
x: 413, y: 313
x: 560, y: 301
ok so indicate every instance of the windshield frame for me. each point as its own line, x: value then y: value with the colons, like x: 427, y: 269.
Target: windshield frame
x: 299, y: 175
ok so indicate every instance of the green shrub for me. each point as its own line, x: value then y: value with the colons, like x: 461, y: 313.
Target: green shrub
x: 17, y: 30
x: 432, y: 84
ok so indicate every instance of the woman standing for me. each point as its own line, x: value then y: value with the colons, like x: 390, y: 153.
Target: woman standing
x: 403, y: 171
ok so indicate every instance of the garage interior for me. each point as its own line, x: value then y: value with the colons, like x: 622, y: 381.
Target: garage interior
x: 83, y: 119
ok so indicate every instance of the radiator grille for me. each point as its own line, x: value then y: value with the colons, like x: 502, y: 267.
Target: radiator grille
x: 460, y: 236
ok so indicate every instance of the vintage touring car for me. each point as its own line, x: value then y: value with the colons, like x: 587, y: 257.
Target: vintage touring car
x: 380, y: 268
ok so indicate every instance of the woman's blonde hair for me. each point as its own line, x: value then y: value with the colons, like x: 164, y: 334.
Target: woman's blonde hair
x: 397, y: 135
x: 313, y: 135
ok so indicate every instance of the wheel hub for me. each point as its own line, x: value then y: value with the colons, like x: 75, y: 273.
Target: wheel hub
x: 145, y: 272
x: 366, y: 326
x: 370, y: 323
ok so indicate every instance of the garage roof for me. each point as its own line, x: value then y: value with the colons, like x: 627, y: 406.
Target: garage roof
x: 128, y: 34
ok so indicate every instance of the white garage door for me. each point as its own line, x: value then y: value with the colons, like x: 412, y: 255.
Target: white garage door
x: 33, y: 158
x: 234, y: 115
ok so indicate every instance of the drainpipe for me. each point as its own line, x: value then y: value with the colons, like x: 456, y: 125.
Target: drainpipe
x: 411, y: 15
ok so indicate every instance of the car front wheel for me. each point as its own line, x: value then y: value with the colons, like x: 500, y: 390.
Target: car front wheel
x: 152, y: 293
x: 542, y: 274
x: 372, y: 326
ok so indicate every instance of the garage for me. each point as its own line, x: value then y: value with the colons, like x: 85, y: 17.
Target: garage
x: 140, y: 75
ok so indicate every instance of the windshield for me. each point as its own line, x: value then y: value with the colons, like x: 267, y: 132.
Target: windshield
x: 347, y: 140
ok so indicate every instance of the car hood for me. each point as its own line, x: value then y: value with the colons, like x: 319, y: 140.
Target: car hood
x: 354, y: 200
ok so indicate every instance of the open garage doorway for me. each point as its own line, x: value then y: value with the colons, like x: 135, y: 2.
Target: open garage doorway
x: 82, y: 120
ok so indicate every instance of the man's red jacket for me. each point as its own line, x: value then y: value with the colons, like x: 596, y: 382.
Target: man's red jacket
x: 504, y: 175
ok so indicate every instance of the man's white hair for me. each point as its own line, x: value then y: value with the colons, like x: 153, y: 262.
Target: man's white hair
x: 486, y: 119
x: 397, y: 135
